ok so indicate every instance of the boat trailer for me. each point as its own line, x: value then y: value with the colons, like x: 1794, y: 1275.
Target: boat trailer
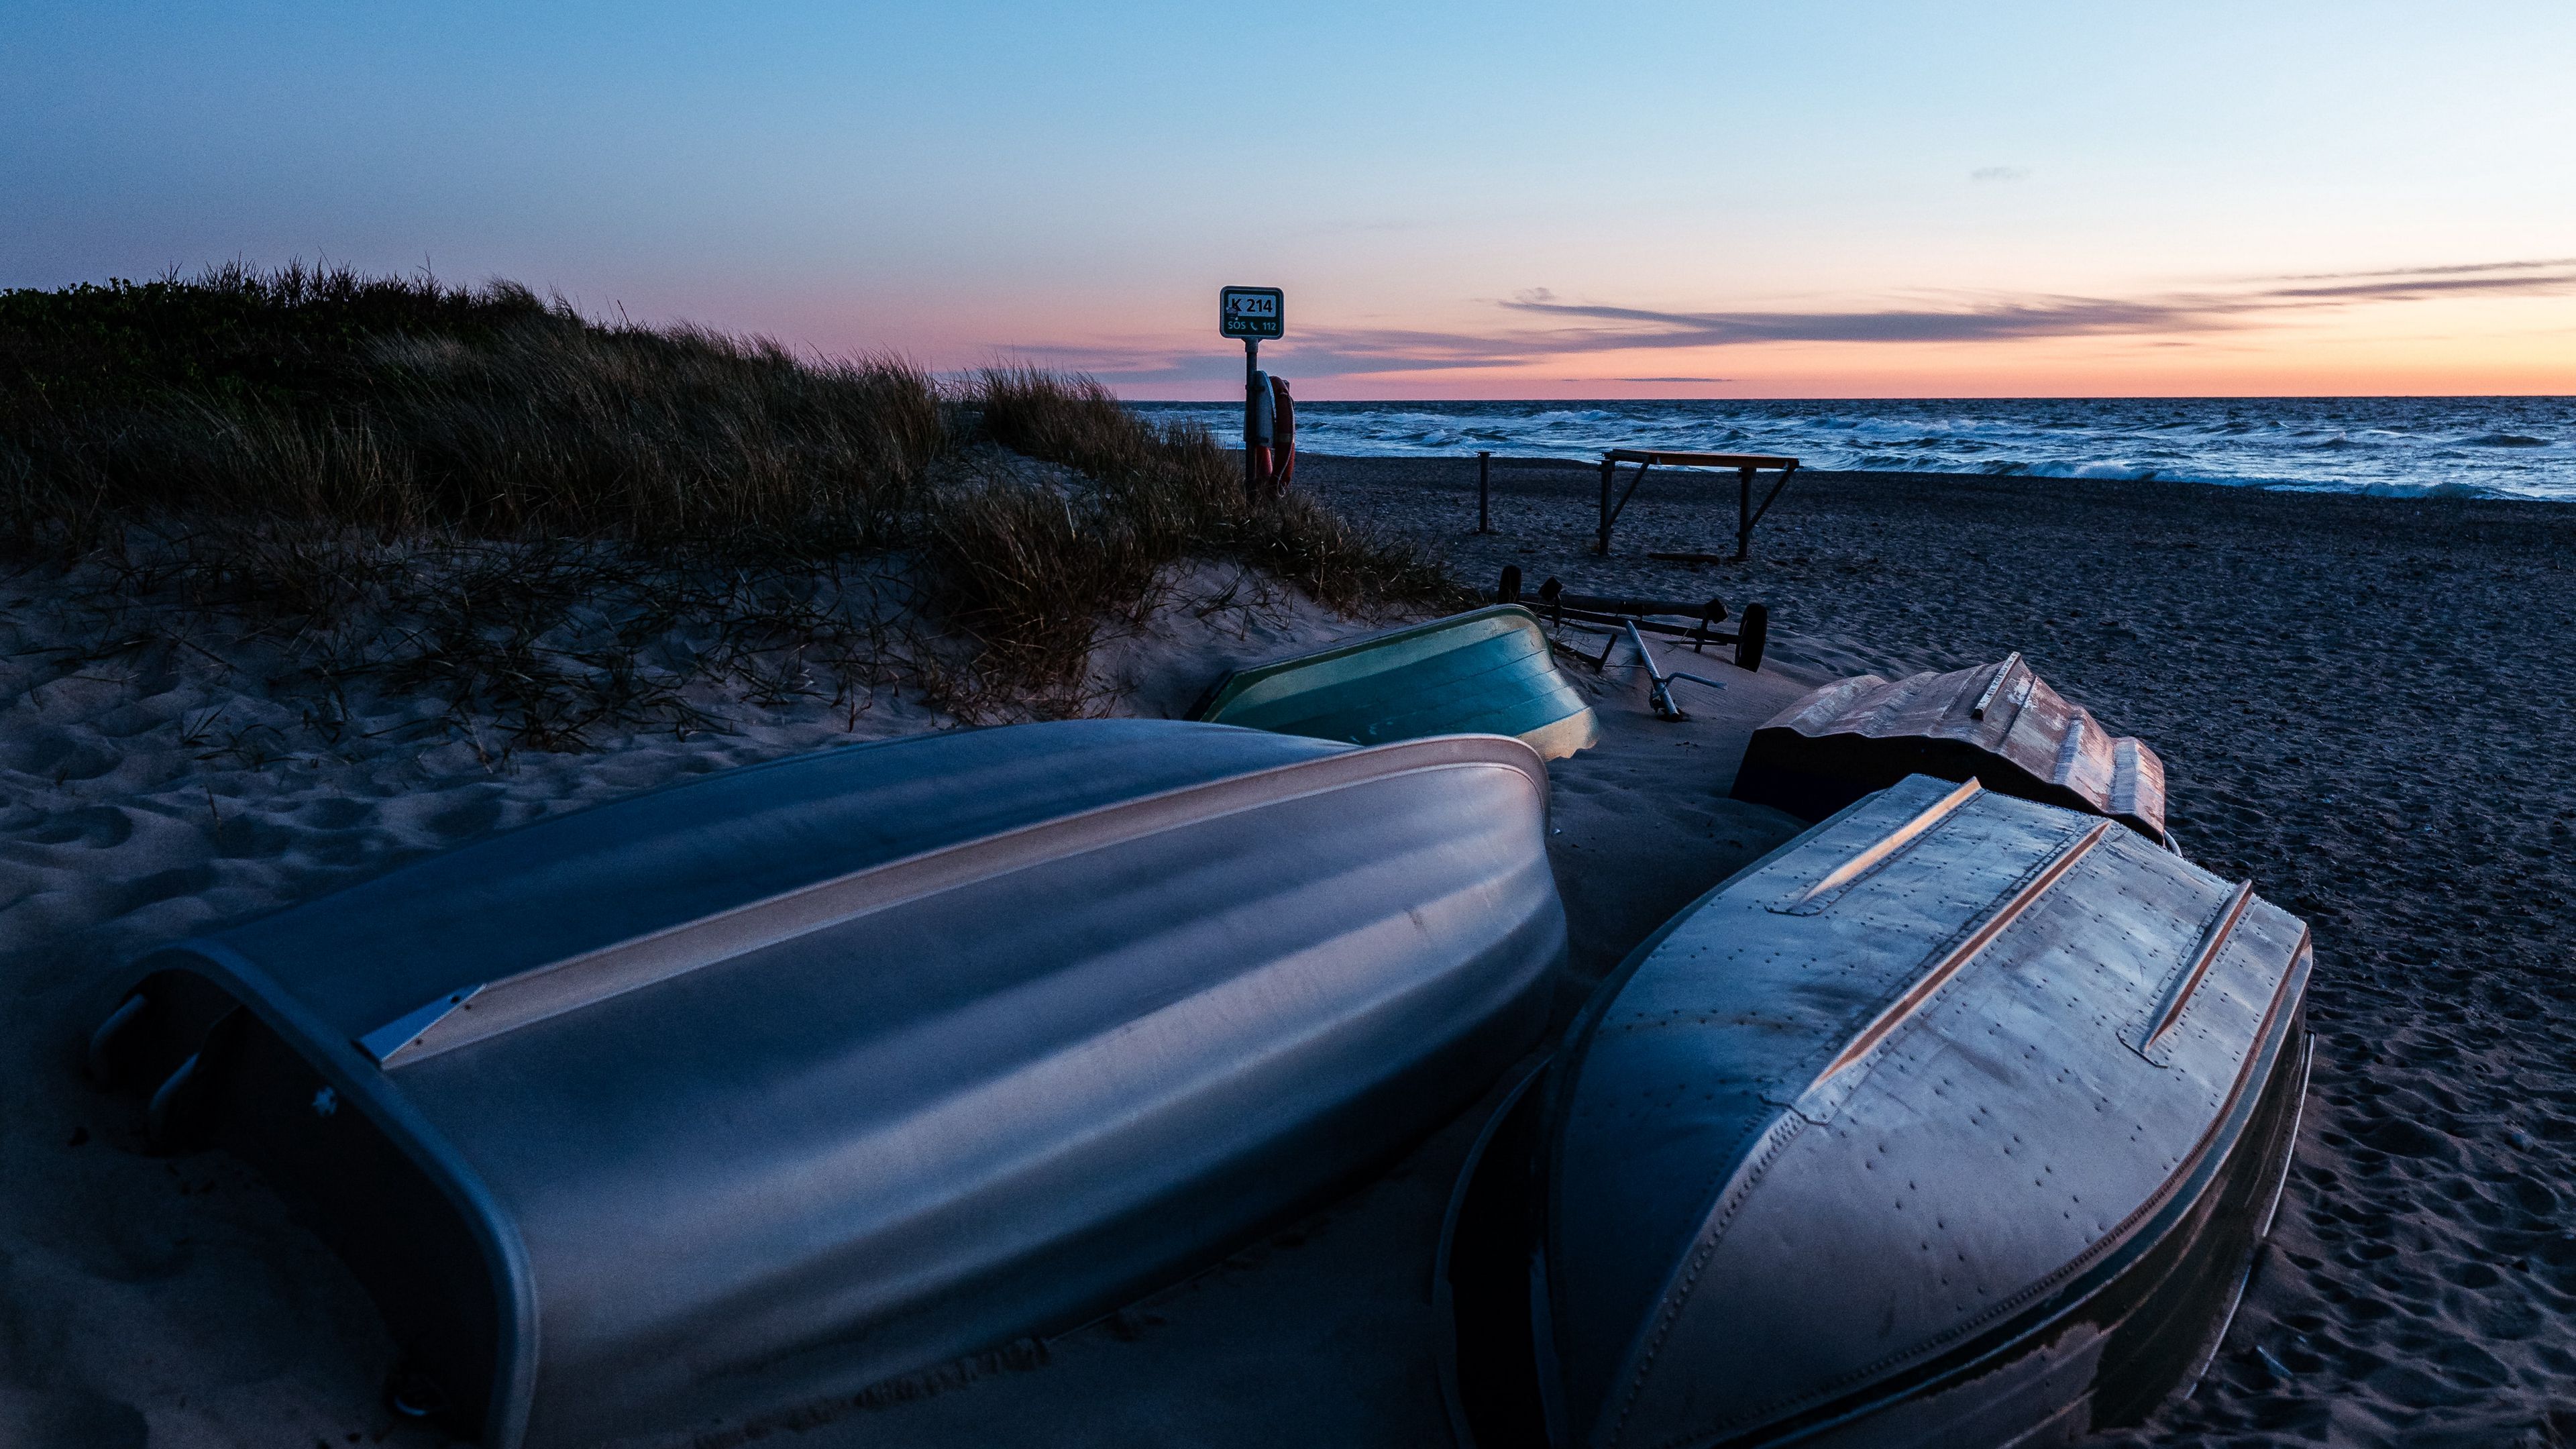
x: 1621, y: 617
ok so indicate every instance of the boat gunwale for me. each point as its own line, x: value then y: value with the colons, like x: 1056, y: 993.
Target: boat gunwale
x: 1444, y: 1346
x: 341, y: 1063
x: 2271, y: 1212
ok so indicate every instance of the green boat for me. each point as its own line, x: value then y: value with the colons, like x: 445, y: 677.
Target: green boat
x: 1483, y: 672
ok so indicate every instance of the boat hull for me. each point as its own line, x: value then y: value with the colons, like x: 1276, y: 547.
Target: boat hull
x: 2103, y: 1359
x: 1489, y: 671
x: 823, y: 1073
x: 1998, y: 724
x: 1854, y: 1265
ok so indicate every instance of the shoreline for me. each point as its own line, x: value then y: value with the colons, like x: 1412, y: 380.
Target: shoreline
x: 2519, y: 447
x: 1431, y: 470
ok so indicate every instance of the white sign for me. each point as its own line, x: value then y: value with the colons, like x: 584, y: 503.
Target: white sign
x: 1251, y: 312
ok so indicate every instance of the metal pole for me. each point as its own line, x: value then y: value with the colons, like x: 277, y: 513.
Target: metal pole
x: 1484, y: 495
x: 1251, y: 371
x: 1601, y: 541
x: 1661, y: 695
x: 1743, y: 514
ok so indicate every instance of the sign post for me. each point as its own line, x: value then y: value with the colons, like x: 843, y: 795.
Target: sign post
x: 1250, y: 313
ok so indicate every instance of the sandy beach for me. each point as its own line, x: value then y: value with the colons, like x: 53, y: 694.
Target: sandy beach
x: 2355, y: 699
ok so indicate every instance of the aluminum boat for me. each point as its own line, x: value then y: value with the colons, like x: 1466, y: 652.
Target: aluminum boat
x: 1487, y: 671
x: 1998, y: 724
x: 1955, y: 1121
x: 756, y: 1091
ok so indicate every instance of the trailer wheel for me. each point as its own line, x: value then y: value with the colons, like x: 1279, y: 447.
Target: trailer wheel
x: 1751, y: 635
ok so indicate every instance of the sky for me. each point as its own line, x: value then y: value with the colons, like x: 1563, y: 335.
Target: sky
x: 1460, y: 200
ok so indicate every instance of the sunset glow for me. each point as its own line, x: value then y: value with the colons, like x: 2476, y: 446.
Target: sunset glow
x: 1459, y: 201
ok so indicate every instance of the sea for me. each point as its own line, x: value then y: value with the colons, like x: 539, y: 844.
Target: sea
x: 2478, y: 447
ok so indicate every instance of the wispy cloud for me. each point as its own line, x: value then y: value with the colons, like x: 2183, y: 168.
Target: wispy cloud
x: 2419, y: 282
x: 1553, y: 327
x: 2468, y: 269
x: 1313, y: 351
x: 1984, y: 319
x: 1971, y: 322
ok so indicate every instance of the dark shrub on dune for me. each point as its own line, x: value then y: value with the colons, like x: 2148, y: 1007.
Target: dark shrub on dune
x: 316, y: 443
x: 1028, y: 570
x: 401, y: 405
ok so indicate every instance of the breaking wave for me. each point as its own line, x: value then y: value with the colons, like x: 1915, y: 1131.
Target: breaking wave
x: 2503, y: 447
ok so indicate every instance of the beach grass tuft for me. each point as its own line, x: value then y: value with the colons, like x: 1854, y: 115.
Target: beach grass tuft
x: 444, y: 486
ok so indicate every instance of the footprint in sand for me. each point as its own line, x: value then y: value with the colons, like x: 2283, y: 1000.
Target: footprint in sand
x: 250, y: 837
x: 75, y: 1418
x: 134, y: 1247
x: 128, y: 720
x: 120, y: 897
x: 57, y: 755
x: 475, y: 815
x: 334, y: 812
x: 333, y: 850
x: 99, y: 827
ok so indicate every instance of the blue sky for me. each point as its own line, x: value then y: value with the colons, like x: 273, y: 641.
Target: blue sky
x: 1485, y: 199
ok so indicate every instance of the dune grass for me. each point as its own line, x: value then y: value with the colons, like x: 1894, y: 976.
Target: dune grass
x: 428, y: 482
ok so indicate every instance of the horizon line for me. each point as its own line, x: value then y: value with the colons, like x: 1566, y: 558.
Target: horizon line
x: 1905, y: 397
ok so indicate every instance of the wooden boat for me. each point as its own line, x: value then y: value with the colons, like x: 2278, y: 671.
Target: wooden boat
x: 1998, y: 724
x: 774, y: 1085
x: 1488, y: 671
x: 1955, y: 1121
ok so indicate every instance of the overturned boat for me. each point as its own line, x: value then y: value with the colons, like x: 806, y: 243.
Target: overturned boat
x: 773, y: 1085
x: 1998, y: 724
x: 1487, y: 671
x: 1955, y: 1121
